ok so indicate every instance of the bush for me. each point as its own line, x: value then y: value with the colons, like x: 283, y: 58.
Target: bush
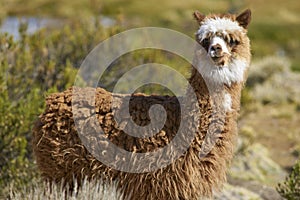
x: 271, y: 80
x: 30, y: 68
x: 290, y: 188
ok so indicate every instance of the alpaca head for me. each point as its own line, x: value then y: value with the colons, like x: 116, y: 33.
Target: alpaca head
x: 225, y: 53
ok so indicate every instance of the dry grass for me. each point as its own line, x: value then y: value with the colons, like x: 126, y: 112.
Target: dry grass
x: 89, y: 191
x: 272, y: 81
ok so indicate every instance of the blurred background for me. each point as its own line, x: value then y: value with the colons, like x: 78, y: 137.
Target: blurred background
x: 43, y: 43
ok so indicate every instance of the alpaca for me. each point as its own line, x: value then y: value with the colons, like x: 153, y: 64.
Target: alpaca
x: 222, y: 58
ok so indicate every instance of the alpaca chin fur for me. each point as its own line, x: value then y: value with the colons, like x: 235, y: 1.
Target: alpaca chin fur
x: 61, y: 157
x: 219, y: 75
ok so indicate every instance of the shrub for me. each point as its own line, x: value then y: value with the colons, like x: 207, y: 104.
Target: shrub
x: 290, y: 188
x: 271, y: 80
x: 29, y: 69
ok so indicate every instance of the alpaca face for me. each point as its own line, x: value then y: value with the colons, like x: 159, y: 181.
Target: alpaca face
x: 220, y: 37
x: 226, y: 51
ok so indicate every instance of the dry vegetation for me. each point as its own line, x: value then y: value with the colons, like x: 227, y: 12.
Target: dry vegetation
x: 89, y: 191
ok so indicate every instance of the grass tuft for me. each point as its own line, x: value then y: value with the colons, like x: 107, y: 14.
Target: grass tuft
x: 90, y: 190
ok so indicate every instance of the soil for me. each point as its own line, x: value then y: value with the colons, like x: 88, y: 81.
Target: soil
x: 277, y: 128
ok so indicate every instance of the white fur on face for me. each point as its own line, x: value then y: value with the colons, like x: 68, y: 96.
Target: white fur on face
x: 233, y: 72
x: 214, y: 25
x: 217, y: 40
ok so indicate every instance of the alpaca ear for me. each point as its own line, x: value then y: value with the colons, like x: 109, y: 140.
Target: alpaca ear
x: 198, y: 16
x: 244, y: 18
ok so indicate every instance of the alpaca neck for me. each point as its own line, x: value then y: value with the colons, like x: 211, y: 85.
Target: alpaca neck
x: 212, y: 147
x: 221, y: 94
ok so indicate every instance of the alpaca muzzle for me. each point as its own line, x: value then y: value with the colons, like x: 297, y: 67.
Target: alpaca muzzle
x: 218, y: 50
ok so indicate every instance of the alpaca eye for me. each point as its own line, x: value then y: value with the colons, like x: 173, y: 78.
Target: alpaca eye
x: 205, y: 42
x: 233, y: 42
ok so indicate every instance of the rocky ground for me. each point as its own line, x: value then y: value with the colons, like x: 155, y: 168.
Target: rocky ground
x: 252, y: 176
x: 269, y: 135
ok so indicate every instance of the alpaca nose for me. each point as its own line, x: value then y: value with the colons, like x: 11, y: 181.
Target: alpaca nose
x: 217, y: 48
